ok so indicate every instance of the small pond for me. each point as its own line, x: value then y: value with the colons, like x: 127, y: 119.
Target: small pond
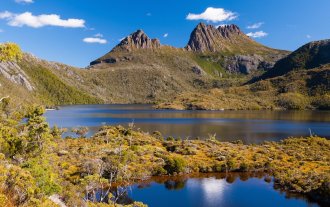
x: 233, y: 190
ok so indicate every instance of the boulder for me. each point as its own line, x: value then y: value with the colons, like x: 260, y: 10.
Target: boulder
x: 198, y: 70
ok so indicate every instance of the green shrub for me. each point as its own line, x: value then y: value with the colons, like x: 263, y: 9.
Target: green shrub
x: 159, y: 171
x: 174, y: 165
x: 158, y: 135
x: 170, y: 138
x: 292, y: 101
x: 243, y: 167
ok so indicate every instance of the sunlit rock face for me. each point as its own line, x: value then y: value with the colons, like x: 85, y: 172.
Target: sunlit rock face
x: 13, y: 72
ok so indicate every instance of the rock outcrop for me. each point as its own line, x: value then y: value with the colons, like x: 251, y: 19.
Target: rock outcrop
x: 137, y: 40
x: 199, y: 71
x: 208, y: 38
x: 13, y: 72
x: 246, y: 64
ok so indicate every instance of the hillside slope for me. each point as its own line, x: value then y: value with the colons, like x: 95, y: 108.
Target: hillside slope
x: 304, y: 89
x: 35, y: 81
x: 311, y: 55
x: 140, y: 69
x: 299, y: 81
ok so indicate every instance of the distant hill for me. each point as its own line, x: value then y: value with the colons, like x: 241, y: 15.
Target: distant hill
x: 309, y: 56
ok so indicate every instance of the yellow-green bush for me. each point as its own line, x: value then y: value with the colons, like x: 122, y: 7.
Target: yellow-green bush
x: 322, y: 102
x: 292, y: 101
x: 10, y: 52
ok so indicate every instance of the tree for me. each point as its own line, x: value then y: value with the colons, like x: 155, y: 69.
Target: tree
x: 10, y: 52
x: 38, y: 130
x: 4, y: 106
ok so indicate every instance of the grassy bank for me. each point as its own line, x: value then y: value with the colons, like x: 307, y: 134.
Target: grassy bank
x: 298, y: 90
x: 35, y: 162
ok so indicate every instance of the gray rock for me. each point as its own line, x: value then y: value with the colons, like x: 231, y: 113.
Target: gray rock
x: 13, y: 72
x: 198, y: 70
x: 208, y: 38
x: 247, y: 64
x: 137, y: 40
x: 108, y: 60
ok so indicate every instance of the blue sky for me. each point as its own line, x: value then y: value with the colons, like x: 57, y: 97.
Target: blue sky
x: 283, y: 24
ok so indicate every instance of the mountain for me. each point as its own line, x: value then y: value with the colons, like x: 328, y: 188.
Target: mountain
x: 221, y: 50
x: 132, y: 43
x: 300, y: 80
x: 227, y: 38
x: 309, y: 56
x: 142, y: 70
x: 137, y: 40
x: 229, y: 47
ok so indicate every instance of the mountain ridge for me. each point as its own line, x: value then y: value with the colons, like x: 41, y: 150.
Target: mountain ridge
x: 203, y: 39
x: 227, y: 48
x: 142, y: 70
x: 308, y: 56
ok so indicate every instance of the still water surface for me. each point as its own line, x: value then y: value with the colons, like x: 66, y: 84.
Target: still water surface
x: 249, y: 126
x: 214, y: 191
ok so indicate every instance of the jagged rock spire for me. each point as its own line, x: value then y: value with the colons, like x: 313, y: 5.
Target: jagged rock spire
x: 208, y: 38
x: 137, y: 40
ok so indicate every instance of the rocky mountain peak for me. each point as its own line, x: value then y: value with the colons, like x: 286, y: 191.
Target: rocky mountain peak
x: 208, y: 38
x: 228, y: 30
x: 137, y: 40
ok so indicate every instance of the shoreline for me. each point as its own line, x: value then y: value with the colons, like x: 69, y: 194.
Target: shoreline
x: 293, y: 167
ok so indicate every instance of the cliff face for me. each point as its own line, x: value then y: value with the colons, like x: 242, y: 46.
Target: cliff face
x: 208, y: 38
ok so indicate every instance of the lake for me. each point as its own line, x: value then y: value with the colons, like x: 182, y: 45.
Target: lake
x: 233, y: 190
x: 248, y: 126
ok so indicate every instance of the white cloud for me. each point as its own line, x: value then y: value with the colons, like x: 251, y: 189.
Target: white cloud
x: 258, y: 34
x: 213, y: 15
x: 1, y: 31
x: 255, y: 26
x: 95, y: 40
x: 308, y: 36
x: 24, y: 1
x: 165, y: 35
x: 28, y: 19
x: 5, y: 15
